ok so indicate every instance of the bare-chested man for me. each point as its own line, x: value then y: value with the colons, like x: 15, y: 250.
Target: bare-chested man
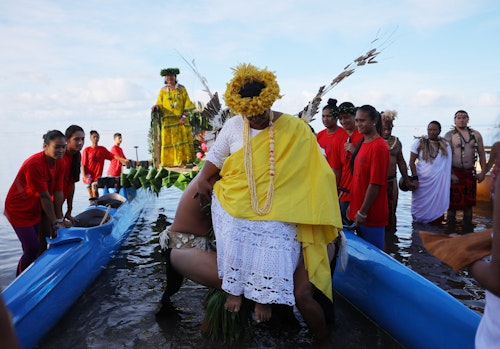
x: 396, y: 159
x: 467, y: 146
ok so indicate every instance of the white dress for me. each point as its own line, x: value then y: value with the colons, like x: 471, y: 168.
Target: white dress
x: 488, y: 332
x: 256, y: 259
x: 432, y: 198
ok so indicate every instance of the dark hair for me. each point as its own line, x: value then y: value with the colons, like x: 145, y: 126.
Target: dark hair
x: 347, y: 108
x: 461, y: 111
x: 77, y: 157
x: 436, y: 123
x: 251, y: 89
x: 373, y: 115
x: 51, y: 135
x: 94, y: 132
x: 117, y: 134
x: 331, y: 105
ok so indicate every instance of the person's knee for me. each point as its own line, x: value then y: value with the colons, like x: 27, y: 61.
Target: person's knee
x: 303, y: 294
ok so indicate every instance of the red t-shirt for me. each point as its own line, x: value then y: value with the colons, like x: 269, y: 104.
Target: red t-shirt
x: 115, y: 167
x: 329, y: 142
x: 370, y: 167
x: 93, y: 160
x: 23, y: 207
x: 342, y: 161
x: 68, y: 180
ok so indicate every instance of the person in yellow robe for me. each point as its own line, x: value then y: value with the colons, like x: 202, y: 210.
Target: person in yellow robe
x: 277, y: 193
x: 177, y: 147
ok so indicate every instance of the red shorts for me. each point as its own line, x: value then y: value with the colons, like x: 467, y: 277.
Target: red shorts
x: 463, y: 193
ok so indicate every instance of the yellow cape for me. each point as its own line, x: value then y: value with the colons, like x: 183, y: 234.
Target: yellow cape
x: 305, y: 192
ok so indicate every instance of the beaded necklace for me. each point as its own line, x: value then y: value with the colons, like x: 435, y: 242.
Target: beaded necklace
x: 429, y: 149
x: 463, y: 142
x: 247, y: 149
x: 393, y: 144
x: 173, y: 103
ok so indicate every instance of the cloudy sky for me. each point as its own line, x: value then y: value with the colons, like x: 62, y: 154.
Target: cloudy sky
x: 97, y: 62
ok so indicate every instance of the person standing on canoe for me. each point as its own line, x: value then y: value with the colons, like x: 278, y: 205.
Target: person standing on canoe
x: 177, y: 145
x: 93, y: 163
x: 36, y: 190
x: 370, y: 164
x: 467, y: 146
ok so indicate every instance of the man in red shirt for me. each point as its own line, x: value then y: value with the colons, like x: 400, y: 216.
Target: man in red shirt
x: 115, y: 167
x: 93, y: 163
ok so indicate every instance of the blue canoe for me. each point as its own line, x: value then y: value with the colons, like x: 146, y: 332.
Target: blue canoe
x: 414, y: 311
x: 41, y: 295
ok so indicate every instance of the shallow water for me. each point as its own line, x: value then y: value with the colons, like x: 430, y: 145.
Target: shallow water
x: 118, y: 310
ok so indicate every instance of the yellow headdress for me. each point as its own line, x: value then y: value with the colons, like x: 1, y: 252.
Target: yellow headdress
x: 251, y: 106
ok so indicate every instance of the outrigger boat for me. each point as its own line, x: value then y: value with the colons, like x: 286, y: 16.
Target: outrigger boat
x: 414, y: 311
x: 41, y: 295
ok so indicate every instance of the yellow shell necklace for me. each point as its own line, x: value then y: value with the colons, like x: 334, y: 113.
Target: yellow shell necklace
x: 247, y: 148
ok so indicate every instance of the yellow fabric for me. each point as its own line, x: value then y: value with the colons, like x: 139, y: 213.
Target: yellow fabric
x: 305, y: 191
x: 177, y: 146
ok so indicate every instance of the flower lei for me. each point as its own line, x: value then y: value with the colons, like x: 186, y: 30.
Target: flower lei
x: 247, y: 149
x: 244, y: 74
x: 173, y: 104
x: 343, y: 110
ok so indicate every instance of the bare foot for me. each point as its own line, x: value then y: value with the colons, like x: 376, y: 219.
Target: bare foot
x: 262, y: 312
x: 233, y: 303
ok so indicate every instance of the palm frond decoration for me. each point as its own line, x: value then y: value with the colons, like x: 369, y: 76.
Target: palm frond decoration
x: 365, y: 59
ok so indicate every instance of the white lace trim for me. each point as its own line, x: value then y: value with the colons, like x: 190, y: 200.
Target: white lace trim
x: 256, y: 259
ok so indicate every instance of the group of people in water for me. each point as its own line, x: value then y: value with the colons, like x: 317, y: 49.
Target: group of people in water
x: 261, y: 179
x: 46, y: 180
x: 275, y: 194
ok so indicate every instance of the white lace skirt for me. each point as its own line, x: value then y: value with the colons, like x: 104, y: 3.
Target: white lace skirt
x: 256, y: 259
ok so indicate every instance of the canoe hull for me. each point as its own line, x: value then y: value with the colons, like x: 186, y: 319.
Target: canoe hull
x: 414, y: 311
x: 41, y: 295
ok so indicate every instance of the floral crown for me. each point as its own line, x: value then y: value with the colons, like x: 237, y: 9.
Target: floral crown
x: 343, y: 110
x: 246, y: 106
x: 170, y: 71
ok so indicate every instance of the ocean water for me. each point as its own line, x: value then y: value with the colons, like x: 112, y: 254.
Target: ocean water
x: 118, y: 309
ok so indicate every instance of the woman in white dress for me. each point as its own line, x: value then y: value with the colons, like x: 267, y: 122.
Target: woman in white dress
x: 430, y: 165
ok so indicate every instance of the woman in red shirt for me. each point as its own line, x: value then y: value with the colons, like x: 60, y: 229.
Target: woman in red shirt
x: 37, y: 189
x: 75, y: 136
x: 370, y: 163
